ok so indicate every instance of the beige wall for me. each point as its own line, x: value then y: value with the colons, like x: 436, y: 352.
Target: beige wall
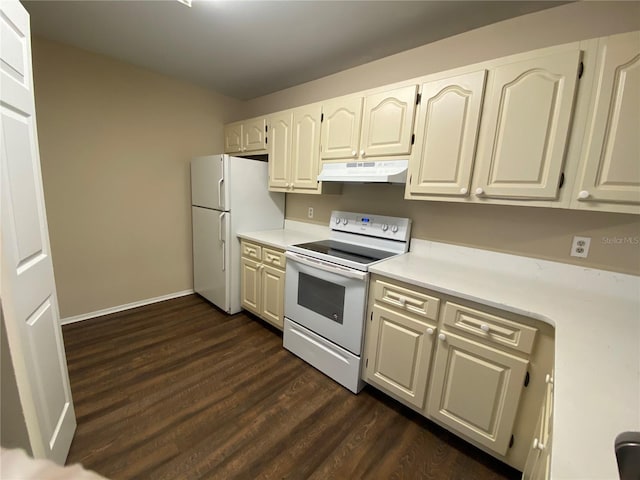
x: 536, y: 232
x: 115, y: 144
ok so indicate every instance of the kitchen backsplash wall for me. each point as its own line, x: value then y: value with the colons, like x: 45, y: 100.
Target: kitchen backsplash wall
x: 533, y: 232
x: 115, y: 145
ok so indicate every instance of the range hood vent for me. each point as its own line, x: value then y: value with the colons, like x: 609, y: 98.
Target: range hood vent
x: 393, y: 171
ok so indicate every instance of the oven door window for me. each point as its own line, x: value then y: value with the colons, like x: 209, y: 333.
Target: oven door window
x: 322, y: 297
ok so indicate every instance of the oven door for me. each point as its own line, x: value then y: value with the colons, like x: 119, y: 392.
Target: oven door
x: 328, y: 299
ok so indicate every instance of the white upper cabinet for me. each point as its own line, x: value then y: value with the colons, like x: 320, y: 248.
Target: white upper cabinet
x: 525, y: 126
x: 609, y: 178
x: 446, y: 133
x: 280, y: 128
x: 380, y: 126
x: 341, y: 124
x: 387, y: 126
x: 306, y: 147
x: 246, y: 136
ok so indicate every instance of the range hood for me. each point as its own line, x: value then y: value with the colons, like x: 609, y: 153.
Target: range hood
x: 393, y: 171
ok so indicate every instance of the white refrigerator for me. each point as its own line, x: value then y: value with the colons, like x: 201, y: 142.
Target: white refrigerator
x: 228, y: 195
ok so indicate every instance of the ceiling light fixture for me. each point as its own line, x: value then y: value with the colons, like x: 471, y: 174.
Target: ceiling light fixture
x: 185, y: 2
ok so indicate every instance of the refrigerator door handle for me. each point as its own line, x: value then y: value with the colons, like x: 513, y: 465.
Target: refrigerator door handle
x: 220, y: 193
x: 220, y: 219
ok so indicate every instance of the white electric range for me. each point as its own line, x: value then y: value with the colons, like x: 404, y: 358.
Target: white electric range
x: 327, y: 287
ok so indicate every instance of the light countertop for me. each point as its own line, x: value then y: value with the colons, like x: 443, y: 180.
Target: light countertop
x: 292, y: 233
x: 596, y: 315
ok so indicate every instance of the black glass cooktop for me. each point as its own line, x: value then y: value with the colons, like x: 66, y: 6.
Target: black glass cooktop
x: 346, y: 251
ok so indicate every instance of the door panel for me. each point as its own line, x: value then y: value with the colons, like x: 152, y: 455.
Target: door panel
x: 280, y: 131
x: 399, y: 349
x: 306, y: 147
x: 341, y: 128
x: 388, y: 122
x: 254, y: 133
x: 251, y: 285
x: 476, y: 390
x: 612, y: 151
x: 447, y: 132
x: 29, y: 299
x: 273, y: 295
x: 526, y: 120
x: 209, y: 270
x: 233, y: 138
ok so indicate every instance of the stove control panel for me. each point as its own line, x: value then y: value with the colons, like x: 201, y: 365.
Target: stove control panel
x: 396, y: 228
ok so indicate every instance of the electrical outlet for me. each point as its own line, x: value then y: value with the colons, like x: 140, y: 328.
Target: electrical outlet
x: 310, y: 212
x: 580, y: 247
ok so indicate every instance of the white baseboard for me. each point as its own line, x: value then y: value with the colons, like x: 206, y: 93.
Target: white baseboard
x: 120, y: 308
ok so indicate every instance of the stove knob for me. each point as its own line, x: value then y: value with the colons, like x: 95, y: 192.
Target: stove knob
x: 345, y: 221
x: 385, y: 227
x: 394, y: 228
x: 337, y: 220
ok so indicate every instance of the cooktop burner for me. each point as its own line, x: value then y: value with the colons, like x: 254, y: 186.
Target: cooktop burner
x: 346, y: 251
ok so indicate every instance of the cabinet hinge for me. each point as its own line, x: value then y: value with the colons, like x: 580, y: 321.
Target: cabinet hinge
x: 266, y: 140
x: 526, y: 380
x: 410, y: 177
x: 413, y: 138
x: 266, y: 129
x: 418, y: 98
x: 511, y: 441
x: 561, y: 182
x: 371, y: 317
x: 580, y: 69
x: 366, y: 363
x: 321, y: 117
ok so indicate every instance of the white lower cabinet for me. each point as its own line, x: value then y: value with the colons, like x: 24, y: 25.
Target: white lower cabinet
x: 477, y: 372
x: 475, y: 389
x: 538, y: 464
x: 399, y: 354
x: 262, y: 272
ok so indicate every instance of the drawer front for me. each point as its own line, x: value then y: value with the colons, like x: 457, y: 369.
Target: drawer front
x: 251, y: 250
x: 272, y: 257
x: 489, y: 327
x: 407, y: 300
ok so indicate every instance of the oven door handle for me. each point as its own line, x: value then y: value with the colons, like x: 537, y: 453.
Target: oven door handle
x: 327, y: 267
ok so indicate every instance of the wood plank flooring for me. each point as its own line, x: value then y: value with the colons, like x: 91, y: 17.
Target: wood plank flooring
x: 179, y: 390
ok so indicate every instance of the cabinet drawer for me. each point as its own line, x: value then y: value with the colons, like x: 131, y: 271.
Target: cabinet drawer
x: 251, y: 250
x: 489, y: 327
x: 273, y: 257
x: 407, y: 300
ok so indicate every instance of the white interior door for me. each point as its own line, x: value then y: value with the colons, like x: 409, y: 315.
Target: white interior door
x: 28, y: 292
x: 210, y: 265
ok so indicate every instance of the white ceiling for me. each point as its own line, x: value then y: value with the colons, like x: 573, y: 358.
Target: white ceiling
x: 245, y: 49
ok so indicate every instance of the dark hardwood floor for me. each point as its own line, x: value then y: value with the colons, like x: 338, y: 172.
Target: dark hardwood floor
x: 179, y: 390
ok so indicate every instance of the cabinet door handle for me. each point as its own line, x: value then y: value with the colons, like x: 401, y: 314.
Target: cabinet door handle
x: 479, y: 191
x: 354, y: 153
x: 548, y: 379
x: 584, y: 194
x: 429, y: 331
x: 484, y: 327
x: 537, y: 444
x: 464, y: 191
x: 442, y: 336
x: 362, y: 153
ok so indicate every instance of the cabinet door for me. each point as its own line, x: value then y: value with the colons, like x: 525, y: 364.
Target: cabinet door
x: 342, y: 120
x: 273, y: 295
x: 280, y: 129
x: 475, y: 390
x: 233, y: 138
x: 611, y: 153
x: 447, y: 131
x: 525, y: 125
x: 254, y: 135
x: 305, y: 150
x: 398, y: 354
x: 388, y: 123
x: 250, y: 290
